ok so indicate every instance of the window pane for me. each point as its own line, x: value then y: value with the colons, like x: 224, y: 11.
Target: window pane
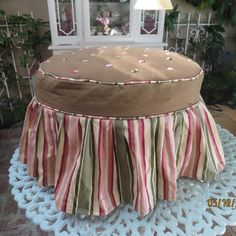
x: 149, y: 22
x: 109, y: 18
x: 65, y: 12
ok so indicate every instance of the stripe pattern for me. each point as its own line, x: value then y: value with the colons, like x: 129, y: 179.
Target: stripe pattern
x: 97, y: 164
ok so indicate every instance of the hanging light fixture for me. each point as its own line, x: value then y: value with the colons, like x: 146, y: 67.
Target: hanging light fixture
x: 153, y: 5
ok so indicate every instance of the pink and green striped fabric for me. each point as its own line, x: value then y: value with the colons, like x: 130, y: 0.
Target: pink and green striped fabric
x: 96, y: 164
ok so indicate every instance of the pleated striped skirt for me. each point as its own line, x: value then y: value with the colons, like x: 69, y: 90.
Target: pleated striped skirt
x: 95, y: 164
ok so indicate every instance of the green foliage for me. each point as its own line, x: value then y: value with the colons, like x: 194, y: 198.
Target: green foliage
x: 170, y: 18
x: 16, y: 114
x: 29, y: 40
x: 201, y: 4
x: 214, y: 46
x: 225, y: 9
x: 27, y: 37
x: 219, y: 85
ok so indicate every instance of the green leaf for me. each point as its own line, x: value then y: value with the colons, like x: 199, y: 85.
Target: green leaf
x: 170, y: 18
x: 219, y: 28
x: 2, y: 13
x: 175, y: 7
x: 233, y: 20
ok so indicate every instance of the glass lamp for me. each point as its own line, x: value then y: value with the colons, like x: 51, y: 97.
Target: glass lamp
x: 153, y: 5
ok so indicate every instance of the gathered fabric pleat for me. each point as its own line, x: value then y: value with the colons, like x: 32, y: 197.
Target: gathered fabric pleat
x: 95, y: 164
x: 38, y: 143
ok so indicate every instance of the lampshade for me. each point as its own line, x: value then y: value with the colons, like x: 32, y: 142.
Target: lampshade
x: 153, y: 5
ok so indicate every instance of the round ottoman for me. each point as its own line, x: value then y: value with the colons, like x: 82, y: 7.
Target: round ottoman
x: 117, y: 124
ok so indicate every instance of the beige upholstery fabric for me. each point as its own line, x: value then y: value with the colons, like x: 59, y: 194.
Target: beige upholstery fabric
x: 119, y: 82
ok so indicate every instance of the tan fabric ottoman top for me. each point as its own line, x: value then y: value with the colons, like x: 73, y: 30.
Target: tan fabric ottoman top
x: 119, y: 82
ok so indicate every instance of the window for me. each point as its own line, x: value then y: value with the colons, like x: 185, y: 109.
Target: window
x: 109, y: 18
x: 65, y: 17
x: 75, y: 23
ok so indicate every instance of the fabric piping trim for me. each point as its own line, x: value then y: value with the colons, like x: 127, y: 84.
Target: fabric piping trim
x: 119, y: 83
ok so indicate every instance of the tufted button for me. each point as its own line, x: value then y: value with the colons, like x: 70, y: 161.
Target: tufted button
x: 170, y: 68
x: 109, y: 65
x: 136, y: 70
x: 76, y: 71
x: 141, y: 61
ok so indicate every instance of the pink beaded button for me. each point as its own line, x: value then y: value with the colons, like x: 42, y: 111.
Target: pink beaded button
x: 136, y: 70
x: 76, y: 71
x: 141, y: 61
x: 170, y: 68
x: 109, y: 65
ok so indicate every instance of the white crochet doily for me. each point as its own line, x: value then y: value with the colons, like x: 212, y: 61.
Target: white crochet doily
x: 190, y: 215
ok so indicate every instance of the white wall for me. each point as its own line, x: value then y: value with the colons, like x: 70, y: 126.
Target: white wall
x: 38, y: 7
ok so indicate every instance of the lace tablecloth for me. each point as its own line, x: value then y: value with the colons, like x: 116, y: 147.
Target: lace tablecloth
x: 189, y: 215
